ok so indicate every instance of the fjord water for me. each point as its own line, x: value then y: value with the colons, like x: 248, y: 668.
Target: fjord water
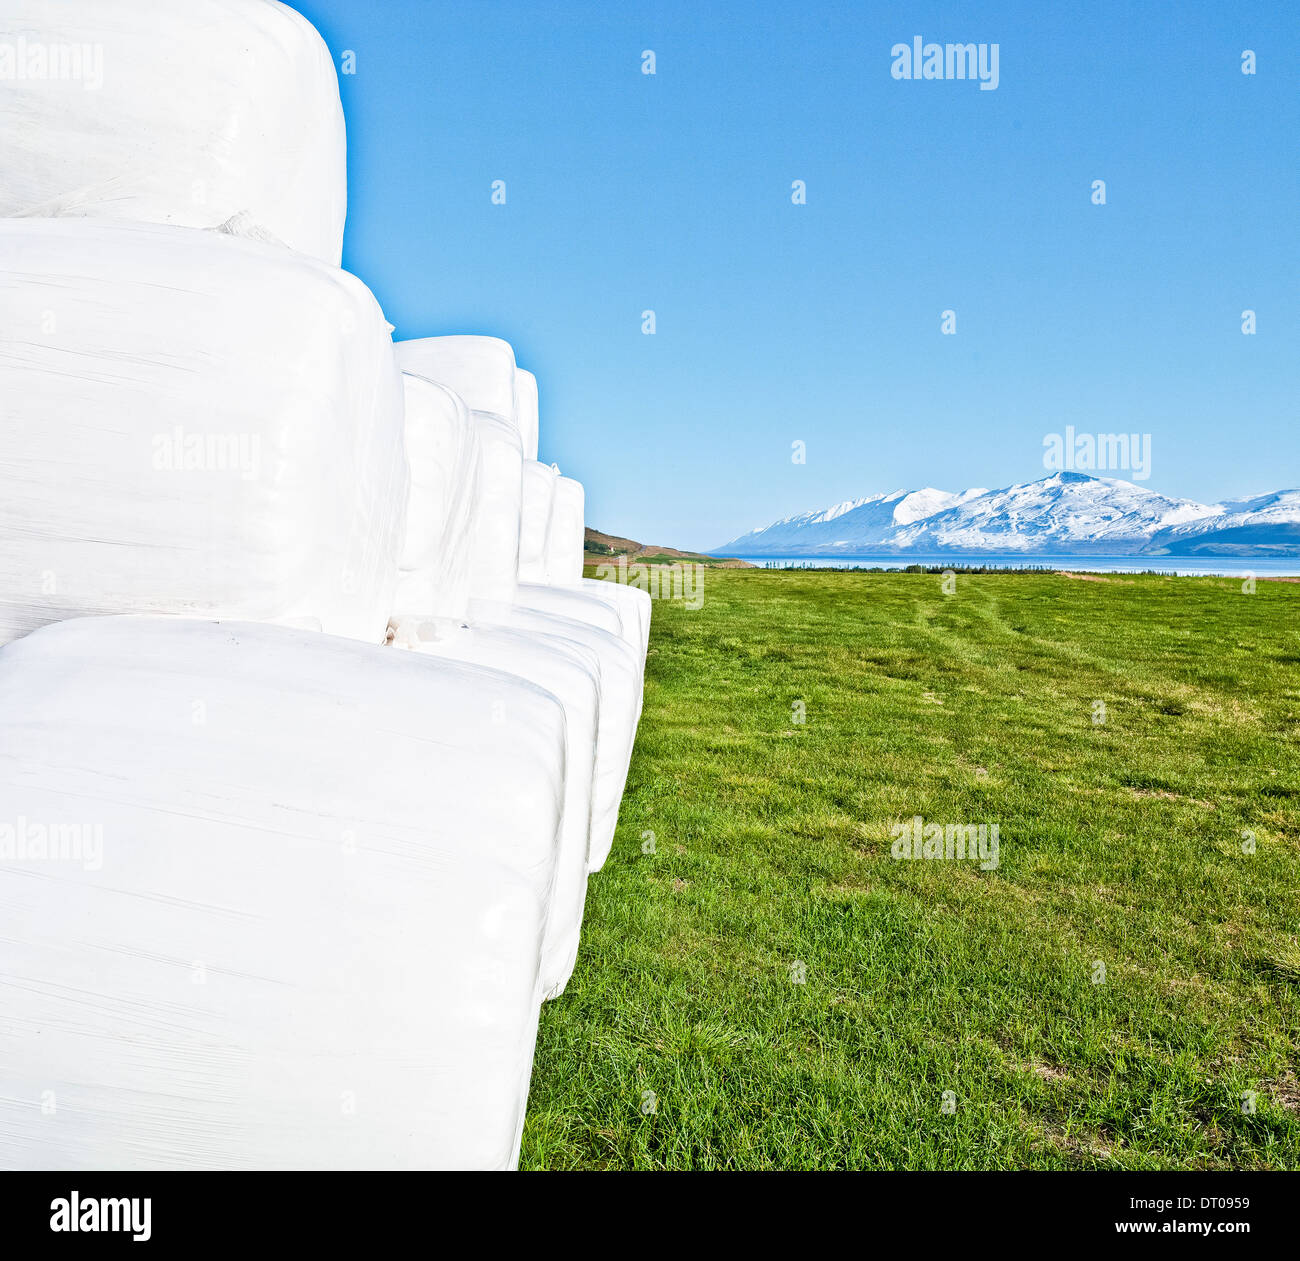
x: 1221, y: 566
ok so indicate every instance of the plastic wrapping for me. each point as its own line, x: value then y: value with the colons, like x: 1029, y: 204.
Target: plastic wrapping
x: 494, y: 529
x: 629, y: 604
x: 620, y: 692
x: 570, y: 671
x: 291, y: 906
x: 535, y: 520
x: 193, y: 423
x: 566, y: 536
x: 526, y: 405
x: 480, y: 369
x: 443, y: 449
x: 197, y: 114
x: 572, y: 601
x: 633, y: 605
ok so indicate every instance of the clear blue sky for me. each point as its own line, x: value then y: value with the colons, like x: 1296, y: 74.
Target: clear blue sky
x: 820, y: 322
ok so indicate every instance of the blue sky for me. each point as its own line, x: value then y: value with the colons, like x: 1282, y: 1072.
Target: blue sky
x: 821, y: 322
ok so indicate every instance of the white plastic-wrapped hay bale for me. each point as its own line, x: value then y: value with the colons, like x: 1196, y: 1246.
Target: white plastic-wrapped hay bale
x: 442, y: 447
x: 288, y: 904
x: 193, y: 424
x: 620, y: 693
x: 195, y: 114
x: 526, y: 404
x: 570, y: 671
x: 480, y: 369
x: 566, y: 534
x: 494, y: 535
x: 535, y: 519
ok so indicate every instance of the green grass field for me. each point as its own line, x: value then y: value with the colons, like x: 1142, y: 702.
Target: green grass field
x: 1122, y: 991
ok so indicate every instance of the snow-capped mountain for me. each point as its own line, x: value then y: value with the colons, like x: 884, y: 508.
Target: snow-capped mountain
x: 1066, y: 513
x: 859, y: 523
x: 1266, y: 525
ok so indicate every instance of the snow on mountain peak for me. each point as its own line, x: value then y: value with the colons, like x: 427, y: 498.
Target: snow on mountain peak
x: 925, y: 503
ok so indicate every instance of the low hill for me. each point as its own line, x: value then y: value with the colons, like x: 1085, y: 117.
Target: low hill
x: 604, y: 547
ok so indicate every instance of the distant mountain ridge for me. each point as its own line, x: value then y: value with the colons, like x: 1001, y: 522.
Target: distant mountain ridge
x: 1066, y: 513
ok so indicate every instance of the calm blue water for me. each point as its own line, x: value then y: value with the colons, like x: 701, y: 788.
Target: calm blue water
x: 1228, y: 566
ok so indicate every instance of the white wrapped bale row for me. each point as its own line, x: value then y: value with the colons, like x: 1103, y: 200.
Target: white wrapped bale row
x: 563, y: 590
x: 271, y: 899
x: 535, y: 519
x: 596, y: 702
x: 443, y: 450
x: 618, y: 610
x: 193, y: 424
x: 480, y: 369
x: 570, y: 671
x: 192, y: 114
x: 620, y: 692
x: 515, y: 495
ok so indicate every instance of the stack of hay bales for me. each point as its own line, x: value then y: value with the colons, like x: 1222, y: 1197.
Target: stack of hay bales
x: 300, y: 785
x: 482, y: 372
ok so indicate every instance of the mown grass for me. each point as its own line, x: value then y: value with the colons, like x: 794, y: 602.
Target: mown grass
x: 1121, y: 845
